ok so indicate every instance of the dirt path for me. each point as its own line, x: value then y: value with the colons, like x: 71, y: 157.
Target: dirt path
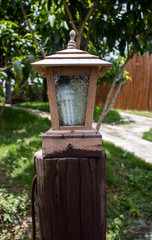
x: 128, y: 137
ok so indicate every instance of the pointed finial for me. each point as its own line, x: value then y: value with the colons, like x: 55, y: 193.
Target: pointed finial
x: 72, y: 43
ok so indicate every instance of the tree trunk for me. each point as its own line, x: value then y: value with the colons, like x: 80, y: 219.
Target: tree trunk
x: 108, y: 105
x: 71, y: 197
x: 44, y: 91
x: 2, y: 110
x: 8, y: 90
x: 115, y: 95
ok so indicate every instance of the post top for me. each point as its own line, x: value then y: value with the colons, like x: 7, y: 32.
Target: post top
x: 71, y: 57
x: 72, y: 43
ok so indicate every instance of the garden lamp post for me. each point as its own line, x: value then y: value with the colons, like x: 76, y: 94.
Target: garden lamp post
x: 71, y: 167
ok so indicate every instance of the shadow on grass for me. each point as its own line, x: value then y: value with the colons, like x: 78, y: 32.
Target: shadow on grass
x: 129, y: 179
x: 20, y: 138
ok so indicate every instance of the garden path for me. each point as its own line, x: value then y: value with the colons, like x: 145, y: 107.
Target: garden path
x: 128, y: 137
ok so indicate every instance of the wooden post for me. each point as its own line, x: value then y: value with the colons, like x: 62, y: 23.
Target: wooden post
x: 71, y: 197
x: 71, y: 168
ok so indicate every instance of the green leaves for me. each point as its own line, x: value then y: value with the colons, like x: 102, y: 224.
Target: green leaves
x: 113, y: 28
x: 17, y: 69
x: 127, y: 77
x: 10, y: 23
x: 28, y: 60
x: 2, y: 95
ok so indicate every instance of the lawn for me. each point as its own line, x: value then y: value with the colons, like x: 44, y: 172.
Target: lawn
x: 43, y: 106
x: 139, y: 113
x: 129, y: 181
x: 20, y: 137
x: 112, y: 117
x: 148, y: 135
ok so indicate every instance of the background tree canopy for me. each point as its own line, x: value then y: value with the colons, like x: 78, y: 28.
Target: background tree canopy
x: 37, y: 28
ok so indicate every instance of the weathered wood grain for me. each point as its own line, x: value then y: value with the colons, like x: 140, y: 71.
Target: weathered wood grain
x: 52, y: 99
x: 71, y: 198
x: 71, y: 71
x: 136, y: 94
x: 91, y: 98
x: 71, y: 144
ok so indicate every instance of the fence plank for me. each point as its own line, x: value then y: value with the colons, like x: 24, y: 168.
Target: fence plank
x: 136, y: 94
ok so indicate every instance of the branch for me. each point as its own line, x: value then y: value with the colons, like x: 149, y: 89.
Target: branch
x: 115, y: 95
x: 107, y: 105
x: 4, y: 69
x: 2, y: 110
x: 94, y: 4
x: 30, y: 28
x: 70, y: 16
x: 88, y: 33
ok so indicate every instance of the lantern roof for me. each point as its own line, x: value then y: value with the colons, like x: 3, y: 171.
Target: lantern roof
x: 71, y: 57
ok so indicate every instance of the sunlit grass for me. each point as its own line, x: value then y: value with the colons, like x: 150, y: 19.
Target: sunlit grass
x: 20, y: 137
x: 43, y: 106
x: 139, y: 113
x: 129, y: 195
x: 129, y: 179
x: 112, y: 117
x: 148, y: 135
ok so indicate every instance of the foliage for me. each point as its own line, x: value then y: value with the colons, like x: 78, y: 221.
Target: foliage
x: 118, y: 27
x: 148, y: 135
x: 117, y: 64
x: 17, y: 52
x: 2, y: 93
x: 112, y: 117
x: 13, y: 214
x: 126, y: 23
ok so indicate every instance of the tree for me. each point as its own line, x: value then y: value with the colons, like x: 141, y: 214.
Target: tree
x: 103, y: 27
x: 15, y: 60
x: 17, y: 50
x: 122, y: 26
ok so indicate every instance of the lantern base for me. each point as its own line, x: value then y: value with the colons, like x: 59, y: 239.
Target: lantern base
x: 76, y: 143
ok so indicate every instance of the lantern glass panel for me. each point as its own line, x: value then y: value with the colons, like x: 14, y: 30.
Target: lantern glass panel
x: 71, y: 95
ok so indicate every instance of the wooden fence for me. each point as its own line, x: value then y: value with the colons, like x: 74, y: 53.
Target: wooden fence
x: 136, y: 94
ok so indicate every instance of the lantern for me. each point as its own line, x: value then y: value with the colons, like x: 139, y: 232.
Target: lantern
x: 71, y: 79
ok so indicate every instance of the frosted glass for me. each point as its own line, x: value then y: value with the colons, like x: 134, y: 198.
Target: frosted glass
x: 71, y: 95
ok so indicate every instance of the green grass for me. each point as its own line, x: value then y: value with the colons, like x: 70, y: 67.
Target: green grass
x: 129, y: 180
x: 148, y: 135
x: 112, y: 117
x: 20, y: 138
x: 140, y: 113
x: 43, y: 106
